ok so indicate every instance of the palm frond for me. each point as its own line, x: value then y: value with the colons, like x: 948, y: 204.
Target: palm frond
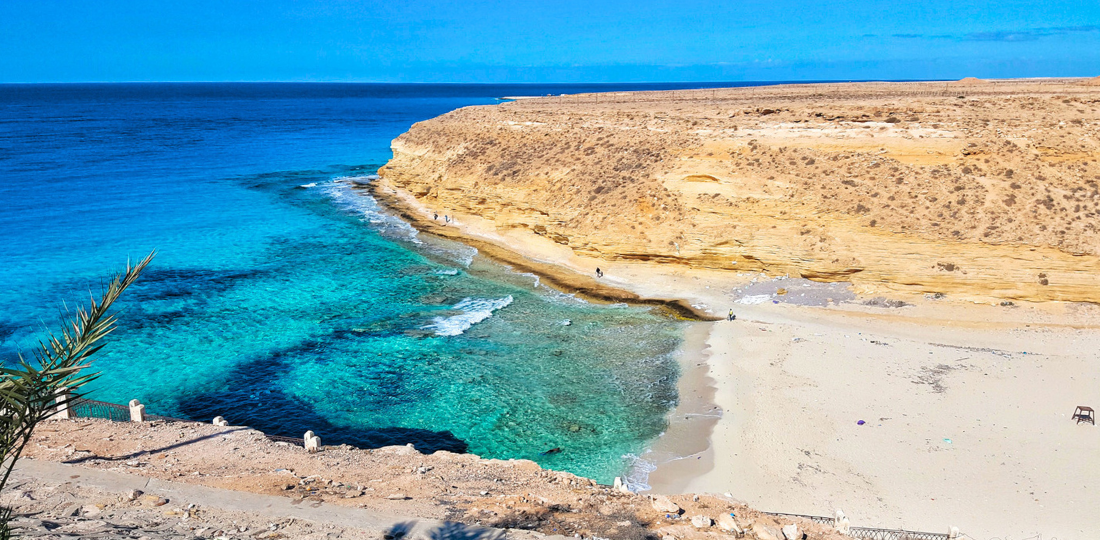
x: 29, y: 390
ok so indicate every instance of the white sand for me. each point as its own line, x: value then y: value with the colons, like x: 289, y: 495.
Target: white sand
x: 962, y: 428
x: 977, y: 439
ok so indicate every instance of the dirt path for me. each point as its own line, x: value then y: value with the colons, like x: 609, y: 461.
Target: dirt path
x: 39, y: 488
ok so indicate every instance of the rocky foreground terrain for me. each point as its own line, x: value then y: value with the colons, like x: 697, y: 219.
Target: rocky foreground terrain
x: 978, y: 189
x: 514, y: 496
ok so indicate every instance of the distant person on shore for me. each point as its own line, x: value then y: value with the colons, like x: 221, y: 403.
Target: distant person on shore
x: 731, y: 316
x: 599, y: 273
x: 436, y: 217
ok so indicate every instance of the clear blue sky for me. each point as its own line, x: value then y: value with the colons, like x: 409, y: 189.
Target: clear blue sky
x: 544, y: 41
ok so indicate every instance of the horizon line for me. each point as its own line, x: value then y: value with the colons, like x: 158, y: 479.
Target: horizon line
x: 773, y: 81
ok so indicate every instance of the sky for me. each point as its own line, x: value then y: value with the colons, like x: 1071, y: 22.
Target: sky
x: 544, y: 41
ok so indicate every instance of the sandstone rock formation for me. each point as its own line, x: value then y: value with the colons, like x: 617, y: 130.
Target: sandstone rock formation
x: 985, y: 191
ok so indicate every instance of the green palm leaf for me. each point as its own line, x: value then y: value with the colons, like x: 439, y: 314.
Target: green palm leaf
x: 29, y: 391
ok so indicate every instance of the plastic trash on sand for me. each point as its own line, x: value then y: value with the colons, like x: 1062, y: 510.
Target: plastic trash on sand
x: 860, y: 423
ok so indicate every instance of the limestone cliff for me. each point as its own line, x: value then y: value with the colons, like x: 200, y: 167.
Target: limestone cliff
x: 975, y: 189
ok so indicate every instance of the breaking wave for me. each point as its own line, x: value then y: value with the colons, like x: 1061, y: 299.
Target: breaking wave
x: 388, y: 225
x: 474, y: 310
x: 636, y: 477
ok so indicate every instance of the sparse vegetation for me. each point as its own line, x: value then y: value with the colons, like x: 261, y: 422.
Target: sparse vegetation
x: 623, y: 179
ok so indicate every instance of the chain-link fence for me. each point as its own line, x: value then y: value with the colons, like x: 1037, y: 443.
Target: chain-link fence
x: 871, y: 533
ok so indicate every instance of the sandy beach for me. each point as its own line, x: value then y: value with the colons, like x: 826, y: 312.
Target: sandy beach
x: 966, y: 406
x: 647, y: 270
x: 966, y: 422
x: 903, y: 408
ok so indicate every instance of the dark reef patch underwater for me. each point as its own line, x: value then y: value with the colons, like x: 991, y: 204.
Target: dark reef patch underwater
x: 284, y: 300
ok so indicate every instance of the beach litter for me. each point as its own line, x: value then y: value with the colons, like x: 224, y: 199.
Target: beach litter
x: 860, y: 423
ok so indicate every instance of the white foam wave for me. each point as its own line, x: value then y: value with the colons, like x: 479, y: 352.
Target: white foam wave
x: 452, y: 251
x: 535, y: 277
x: 309, y: 185
x: 340, y: 191
x: 637, y: 473
x: 551, y: 294
x: 447, y: 272
x: 474, y: 310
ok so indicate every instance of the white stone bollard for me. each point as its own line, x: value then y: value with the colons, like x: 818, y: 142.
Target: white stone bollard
x: 840, y: 522
x: 953, y: 533
x: 621, y: 487
x: 219, y: 421
x: 63, y: 409
x: 313, y: 442
x: 137, y: 411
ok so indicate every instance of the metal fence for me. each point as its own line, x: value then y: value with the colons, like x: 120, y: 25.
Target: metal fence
x: 941, y: 89
x: 894, y: 534
x: 90, y: 408
x: 297, y: 441
x: 871, y: 533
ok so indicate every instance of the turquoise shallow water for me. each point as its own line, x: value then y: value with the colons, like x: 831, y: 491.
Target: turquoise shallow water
x: 284, y: 300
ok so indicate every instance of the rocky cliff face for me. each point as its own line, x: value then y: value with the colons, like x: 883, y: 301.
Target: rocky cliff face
x: 977, y: 189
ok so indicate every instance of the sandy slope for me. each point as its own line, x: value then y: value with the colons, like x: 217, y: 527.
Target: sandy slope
x: 961, y: 426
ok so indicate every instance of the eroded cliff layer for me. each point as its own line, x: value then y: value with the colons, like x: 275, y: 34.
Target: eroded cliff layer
x: 976, y: 189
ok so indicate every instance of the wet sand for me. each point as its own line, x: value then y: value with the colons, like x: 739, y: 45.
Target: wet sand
x: 682, y: 452
x: 966, y: 406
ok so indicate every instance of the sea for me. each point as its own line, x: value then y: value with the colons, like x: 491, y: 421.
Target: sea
x: 283, y: 299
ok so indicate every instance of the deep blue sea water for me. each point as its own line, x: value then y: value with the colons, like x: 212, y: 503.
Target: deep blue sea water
x: 286, y: 301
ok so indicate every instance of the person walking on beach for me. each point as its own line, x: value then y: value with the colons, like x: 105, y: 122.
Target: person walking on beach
x: 599, y: 273
x: 731, y: 316
x: 436, y: 217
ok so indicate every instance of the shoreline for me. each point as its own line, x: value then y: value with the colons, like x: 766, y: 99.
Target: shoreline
x: 557, y: 277
x: 792, y: 379
x: 684, y: 450
x: 690, y: 423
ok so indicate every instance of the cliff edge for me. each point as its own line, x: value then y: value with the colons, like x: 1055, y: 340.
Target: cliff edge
x: 977, y: 189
